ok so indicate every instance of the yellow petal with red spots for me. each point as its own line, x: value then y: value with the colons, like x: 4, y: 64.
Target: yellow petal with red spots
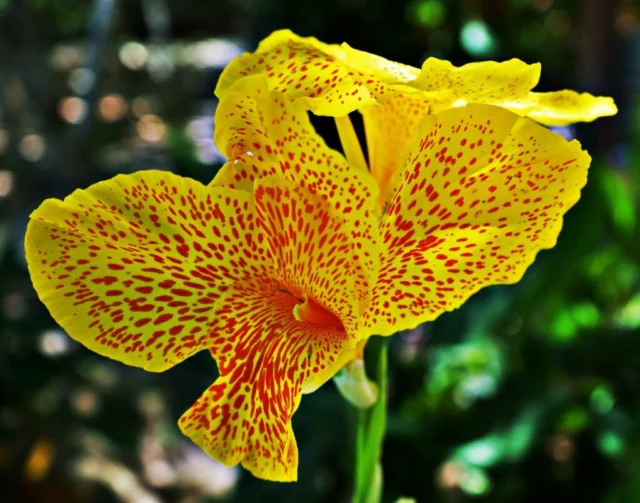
x: 325, y: 250
x: 237, y: 175
x: 262, y: 133
x: 267, y: 358
x: 482, y: 82
x: 387, y: 72
x: 482, y: 192
x: 561, y: 108
x: 335, y: 80
x: 325, y: 78
x: 389, y: 129
x: 132, y: 267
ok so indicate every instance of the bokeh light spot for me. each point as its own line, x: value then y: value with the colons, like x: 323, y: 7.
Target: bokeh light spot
x: 133, y: 55
x: 602, y: 400
x: 39, y: 461
x: 585, y: 314
x: 72, y: 109
x: 450, y: 474
x: 562, y: 448
x: 32, y: 147
x: 141, y: 106
x: 610, y: 443
x: 563, y: 328
x: 574, y: 420
x: 151, y: 128
x: 54, y: 343
x: 85, y: 402
x: 6, y: 182
x: 430, y: 13
x: 112, y: 107
x: 476, y: 38
x: 475, y: 482
x: 82, y: 80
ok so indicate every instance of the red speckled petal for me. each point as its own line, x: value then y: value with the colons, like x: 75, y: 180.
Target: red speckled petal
x: 321, y: 247
x: 335, y: 80
x: 482, y: 82
x: 262, y: 134
x: 266, y: 358
x: 483, y: 191
x: 327, y: 79
x: 390, y: 129
x: 132, y: 267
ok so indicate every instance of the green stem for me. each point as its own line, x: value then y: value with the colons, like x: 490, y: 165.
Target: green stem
x: 371, y: 429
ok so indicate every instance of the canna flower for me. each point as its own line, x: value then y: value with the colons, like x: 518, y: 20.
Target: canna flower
x: 281, y: 268
x: 150, y: 268
x: 481, y: 190
x: 336, y: 80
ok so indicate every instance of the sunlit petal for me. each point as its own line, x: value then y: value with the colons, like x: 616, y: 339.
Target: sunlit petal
x: 561, y: 108
x: 262, y: 133
x: 132, y: 267
x: 390, y: 129
x: 322, y: 248
x: 482, y: 82
x: 482, y: 192
x: 325, y: 78
x: 265, y: 357
x: 335, y: 80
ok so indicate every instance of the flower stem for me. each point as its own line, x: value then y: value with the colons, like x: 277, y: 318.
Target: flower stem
x: 350, y: 143
x: 370, y: 431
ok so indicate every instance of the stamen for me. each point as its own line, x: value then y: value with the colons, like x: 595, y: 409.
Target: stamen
x: 350, y: 143
x: 310, y: 312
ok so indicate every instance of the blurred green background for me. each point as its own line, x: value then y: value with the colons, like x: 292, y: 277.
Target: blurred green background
x: 529, y: 392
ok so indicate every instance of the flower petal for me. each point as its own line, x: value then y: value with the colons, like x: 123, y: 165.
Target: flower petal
x: 322, y: 247
x: 388, y: 72
x: 132, y: 267
x: 561, y: 108
x: 262, y: 134
x: 481, y: 82
x: 335, y: 80
x: 482, y: 192
x: 265, y: 358
x: 324, y: 78
x: 389, y: 129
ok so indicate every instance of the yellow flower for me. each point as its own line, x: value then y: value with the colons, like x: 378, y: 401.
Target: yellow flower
x: 335, y: 80
x: 480, y: 191
x: 150, y: 268
x: 281, y: 269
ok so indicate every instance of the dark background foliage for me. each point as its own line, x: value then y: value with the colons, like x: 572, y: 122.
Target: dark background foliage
x: 528, y: 393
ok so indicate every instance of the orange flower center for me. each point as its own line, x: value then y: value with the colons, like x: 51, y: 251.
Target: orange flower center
x: 310, y: 312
